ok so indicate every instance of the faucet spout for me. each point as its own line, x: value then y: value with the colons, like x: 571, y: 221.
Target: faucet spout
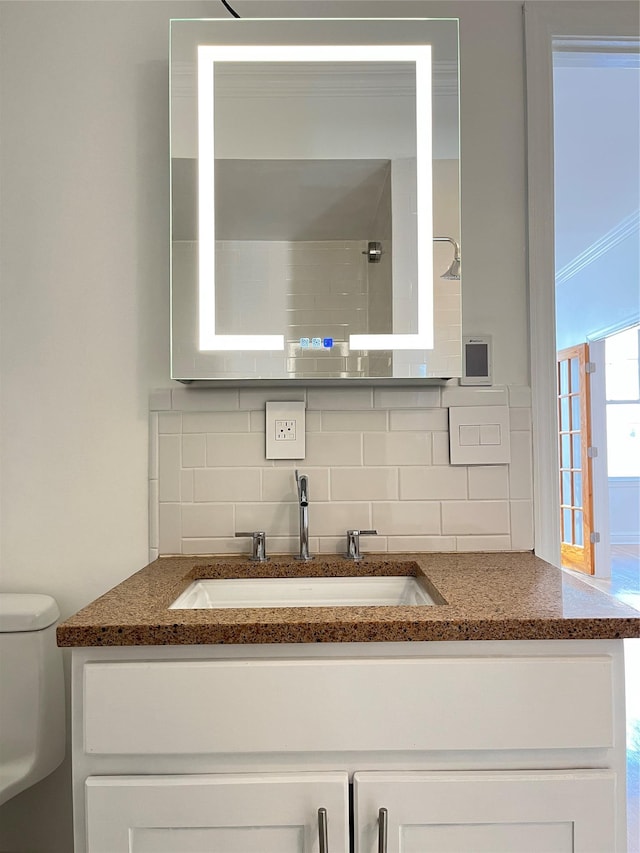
x: 302, y: 481
x: 303, y: 489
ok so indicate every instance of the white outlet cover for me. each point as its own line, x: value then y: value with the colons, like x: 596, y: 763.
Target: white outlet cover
x: 479, y: 435
x: 289, y: 412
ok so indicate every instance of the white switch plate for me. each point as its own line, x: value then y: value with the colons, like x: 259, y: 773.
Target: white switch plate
x: 285, y: 430
x: 479, y: 435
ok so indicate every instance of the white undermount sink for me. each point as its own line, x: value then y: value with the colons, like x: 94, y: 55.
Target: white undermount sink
x: 303, y: 592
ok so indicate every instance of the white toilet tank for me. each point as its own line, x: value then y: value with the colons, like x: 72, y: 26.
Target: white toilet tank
x: 32, y: 716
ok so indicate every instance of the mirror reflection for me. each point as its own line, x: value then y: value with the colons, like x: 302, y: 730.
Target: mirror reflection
x: 298, y: 256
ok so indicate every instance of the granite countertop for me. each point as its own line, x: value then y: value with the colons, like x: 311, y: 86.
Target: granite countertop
x: 486, y: 596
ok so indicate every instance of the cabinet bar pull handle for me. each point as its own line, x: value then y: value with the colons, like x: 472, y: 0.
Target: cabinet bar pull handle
x: 382, y: 831
x: 323, y: 836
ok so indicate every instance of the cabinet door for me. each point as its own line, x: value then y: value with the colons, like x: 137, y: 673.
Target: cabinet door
x: 487, y: 812
x: 231, y: 813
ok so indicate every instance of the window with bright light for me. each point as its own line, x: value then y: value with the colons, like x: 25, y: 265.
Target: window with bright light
x: 623, y: 403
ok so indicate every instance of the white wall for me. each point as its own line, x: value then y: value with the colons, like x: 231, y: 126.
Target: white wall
x: 84, y: 223
x: 597, y: 159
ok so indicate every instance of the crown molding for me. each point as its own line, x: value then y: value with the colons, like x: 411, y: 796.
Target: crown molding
x: 629, y: 226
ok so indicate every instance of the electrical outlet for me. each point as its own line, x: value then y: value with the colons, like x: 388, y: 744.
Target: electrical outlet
x: 284, y: 430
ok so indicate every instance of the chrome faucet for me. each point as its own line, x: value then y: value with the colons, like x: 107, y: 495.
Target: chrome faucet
x: 302, y: 482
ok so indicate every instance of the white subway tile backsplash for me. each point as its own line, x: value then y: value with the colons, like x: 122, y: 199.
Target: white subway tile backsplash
x: 338, y: 545
x: 406, y: 517
x: 169, y: 422
x: 279, y: 484
x: 257, y: 421
x: 153, y: 446
x: 475, y: 517
x: 334, y: 518
x: 376, y: 458
x: 519, y: 396
x: 521, y: 525
x: 353, y: 421
x: 186, y: 485
x: 520, y: 419
x: 400, y: 544
x: 170, y: 529
x: 433, y: 483
x: 331, y: 545
x: 520, y: 469
x: 460, y: 395
x: 169, y: 467
x: 206, y: 520
x: 277, y: 519
x: 153, y: 514
x: 204, y: 399
x: 483, y: 543
x: 253, y: 399
x: 487, y: 482
x: 243, y: 449
x: 194, y: 451
x: 419, y: 419
x: 440, y: 448
x: 334, y: 448
x: 397, y: 448
x: 359, y: 484
x: 215, y: 422
x: 216, y: 545
x: 226, y: 484
x: 242, y: 545
x: 339, y: 399
x: 406, y: 398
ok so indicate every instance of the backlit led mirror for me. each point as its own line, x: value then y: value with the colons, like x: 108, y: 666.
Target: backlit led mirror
x: 313, y: 162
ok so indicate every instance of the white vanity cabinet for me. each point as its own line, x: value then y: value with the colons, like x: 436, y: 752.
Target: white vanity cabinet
x: 503, y: 747
x: 486, y: 812
x: 229, y: 813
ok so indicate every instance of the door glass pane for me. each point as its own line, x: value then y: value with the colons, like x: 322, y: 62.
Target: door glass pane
x: 566, y: 488
x: 567, y: 535
x: 564, y: 413
x: 578, y: 532
x: 564, y: 377
x: 575, y: 376
x: 575, y: 413
x: 575, y: 437
x: 577, y: 489
x: 565, y: 453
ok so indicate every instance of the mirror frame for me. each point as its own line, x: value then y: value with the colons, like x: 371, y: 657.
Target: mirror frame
x: 237, y: 50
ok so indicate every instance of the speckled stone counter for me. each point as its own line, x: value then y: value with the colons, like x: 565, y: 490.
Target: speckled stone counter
x: 487, y: 596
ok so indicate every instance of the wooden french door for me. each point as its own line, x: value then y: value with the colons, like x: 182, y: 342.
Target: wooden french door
x: 576, y: 495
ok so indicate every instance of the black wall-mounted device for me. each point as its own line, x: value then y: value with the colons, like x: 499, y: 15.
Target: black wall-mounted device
x: 476, y: 360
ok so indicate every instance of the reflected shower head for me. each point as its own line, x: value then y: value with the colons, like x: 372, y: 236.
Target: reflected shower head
x: 453, y: 271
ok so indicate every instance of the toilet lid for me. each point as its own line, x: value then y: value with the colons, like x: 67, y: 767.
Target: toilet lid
x: 26, y: 611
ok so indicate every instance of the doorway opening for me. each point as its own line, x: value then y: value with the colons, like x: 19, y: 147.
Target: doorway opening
x: 596, y: 117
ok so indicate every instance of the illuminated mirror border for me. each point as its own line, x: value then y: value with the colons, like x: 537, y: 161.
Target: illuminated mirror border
x: 208, y: 55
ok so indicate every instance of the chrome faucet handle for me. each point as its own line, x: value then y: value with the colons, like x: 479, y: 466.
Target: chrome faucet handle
x: 259, y: 545
x: 353, y: 543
